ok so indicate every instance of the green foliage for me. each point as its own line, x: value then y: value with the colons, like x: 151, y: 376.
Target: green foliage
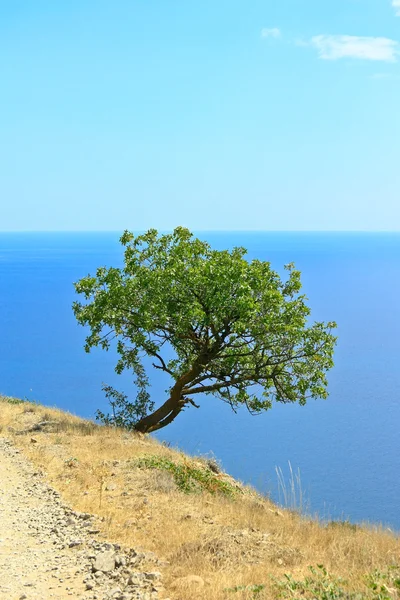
x: 124, y: 413
x: 384, y: 585
x: 213, y: 321
x: 11, y: 400
x: 252, y: 591
x: 320, y: 585
x: 188, y: 478
x: 343, y: 525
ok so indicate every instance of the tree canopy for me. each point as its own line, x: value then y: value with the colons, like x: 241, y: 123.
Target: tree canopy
x: 213, y: 321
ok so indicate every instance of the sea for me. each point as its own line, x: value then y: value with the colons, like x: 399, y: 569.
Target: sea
x: 337, y: 458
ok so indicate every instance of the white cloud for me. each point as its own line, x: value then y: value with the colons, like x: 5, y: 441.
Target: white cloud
x: 274, y: 32
x: 333, y: 47
x: 396, y: 6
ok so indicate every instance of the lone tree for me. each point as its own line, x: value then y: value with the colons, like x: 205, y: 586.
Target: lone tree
x: 214, y: 322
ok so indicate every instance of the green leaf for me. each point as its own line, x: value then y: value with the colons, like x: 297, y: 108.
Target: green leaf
x: 213, y: 321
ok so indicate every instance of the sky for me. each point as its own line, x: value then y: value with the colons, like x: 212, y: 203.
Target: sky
x: 211, y: 114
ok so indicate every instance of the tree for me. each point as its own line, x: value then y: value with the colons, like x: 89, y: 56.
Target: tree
x: 234, y: 328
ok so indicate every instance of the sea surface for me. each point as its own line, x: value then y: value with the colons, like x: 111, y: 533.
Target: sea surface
x: 346, y: 448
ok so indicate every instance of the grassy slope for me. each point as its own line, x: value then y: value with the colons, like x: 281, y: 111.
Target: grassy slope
x: 201, y: 522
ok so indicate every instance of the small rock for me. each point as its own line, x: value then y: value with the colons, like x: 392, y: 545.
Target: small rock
x: 99, y: 575
x: 104, y: 562
x: 153, y: 575
x: 107, y: 546
x: 136, y: 579
x: 84, y: 516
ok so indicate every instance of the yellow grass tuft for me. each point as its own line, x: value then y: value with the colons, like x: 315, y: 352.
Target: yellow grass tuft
x: 201, y: 522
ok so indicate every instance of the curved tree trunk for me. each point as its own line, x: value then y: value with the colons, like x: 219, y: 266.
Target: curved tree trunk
x: 176, y: 402
x: 173, y: 406
x: 161, y: 417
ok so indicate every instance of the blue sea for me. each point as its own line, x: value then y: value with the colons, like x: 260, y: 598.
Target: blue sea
x: 346, y: 448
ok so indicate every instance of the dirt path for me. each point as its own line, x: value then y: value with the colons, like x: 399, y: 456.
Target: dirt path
x: 49, y: 551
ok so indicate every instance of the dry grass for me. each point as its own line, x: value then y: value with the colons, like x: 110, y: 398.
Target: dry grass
x: 234, y: 541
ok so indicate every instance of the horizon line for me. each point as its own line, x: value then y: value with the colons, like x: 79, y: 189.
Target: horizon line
x: 118, y: 231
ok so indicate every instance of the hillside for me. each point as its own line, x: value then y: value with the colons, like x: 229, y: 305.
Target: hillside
x: 215, y: 538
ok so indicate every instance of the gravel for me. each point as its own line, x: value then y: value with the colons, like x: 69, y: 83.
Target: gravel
x: 47, y: 550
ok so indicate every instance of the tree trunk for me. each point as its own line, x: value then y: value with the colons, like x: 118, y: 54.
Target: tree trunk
x: 162, y: 416
x: 173, y: 406
x: 176, y: 402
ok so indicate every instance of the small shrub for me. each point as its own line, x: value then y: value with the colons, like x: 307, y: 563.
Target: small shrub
x: 343, y: 525
x: 253, y: 590
x: 11, y: 400
x: 384, y: 585
x: 320, y: 585
x: 188, y: 479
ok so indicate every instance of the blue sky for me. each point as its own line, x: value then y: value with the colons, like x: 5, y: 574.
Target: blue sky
x: 213, y: 114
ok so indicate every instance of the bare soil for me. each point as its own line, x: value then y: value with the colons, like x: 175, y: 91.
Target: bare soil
x: 48, y: 550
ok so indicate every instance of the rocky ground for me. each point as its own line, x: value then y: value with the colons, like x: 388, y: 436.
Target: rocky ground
x: 49, y: 551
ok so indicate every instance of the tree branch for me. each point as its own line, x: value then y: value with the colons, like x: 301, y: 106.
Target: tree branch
x: 163, y: 366
x: 214, y: 387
